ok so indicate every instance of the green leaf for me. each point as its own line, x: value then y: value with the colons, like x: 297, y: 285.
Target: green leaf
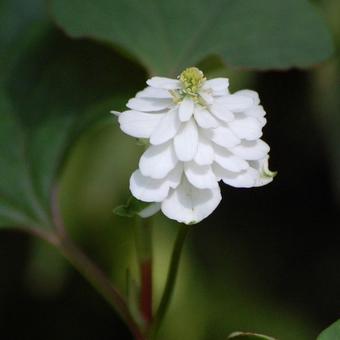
x: 331, y: 333
x: 167, y: 36
x: 46, y: 269
x: 21, y: 23
x: 53, y: 89
x: 132, y: 208
x: 19, y: 203
x: 249, y: 336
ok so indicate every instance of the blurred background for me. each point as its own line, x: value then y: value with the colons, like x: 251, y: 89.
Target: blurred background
x: 267, y: 260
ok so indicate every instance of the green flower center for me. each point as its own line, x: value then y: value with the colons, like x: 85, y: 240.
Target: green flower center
x: 192, y: 79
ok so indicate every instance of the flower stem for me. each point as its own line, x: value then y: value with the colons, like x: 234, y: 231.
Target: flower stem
x: 170, y: 281
x: 91, y: 273
x: 99, y: 281
x: 143, y: 238
x: 89, y: 270
x: 146, y: 291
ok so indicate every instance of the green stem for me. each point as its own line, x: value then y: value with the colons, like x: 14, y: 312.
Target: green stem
x: 143, y: 238
x: 92, y: 274
x: 90, y: 271
x: 170, y: 281
x: 99, y: 281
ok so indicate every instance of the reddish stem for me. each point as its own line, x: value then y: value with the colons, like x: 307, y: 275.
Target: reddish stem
x: 146, y: 291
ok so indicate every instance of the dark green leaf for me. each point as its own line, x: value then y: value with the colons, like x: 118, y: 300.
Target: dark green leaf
x: 331, y: 333
x: 21, y: 23
x: 53, y: 89
x: 249, y: 336
x: 131, y: 208
x: 46, y: 269
x: 167, y: 36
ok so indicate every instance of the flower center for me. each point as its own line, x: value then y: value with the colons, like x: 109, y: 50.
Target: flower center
x: 192, y: 79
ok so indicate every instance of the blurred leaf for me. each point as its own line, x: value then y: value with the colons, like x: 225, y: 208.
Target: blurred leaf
x: 132, y: 208
x: 46, y: 269
x: 167, y: 36
x: 133, y: 293
x: 22, y: 22
x: 249, y: 336
x: 52, y: 93
x: 326, y: 97
x: 19, y: 202
x: 331, y: 333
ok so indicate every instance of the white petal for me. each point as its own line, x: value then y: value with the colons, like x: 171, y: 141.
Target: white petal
x: 243, y: 179
x: 164, y: 83
x: 221, y: 112
x: 166, y: 129
x: 229, y: 161
x: 208, y: 98
x: 149, y: 104
x: 186, y: 109
x: 262, y: 121
x: 158, y: 160
x: 152, y: 92
x: 201, y: 176
x: 251, y: 150
x: 219, y: 86
x: 251, y: 94
x: 256, y: 111
x: 265, y: 176
x: 139, y: 124
x: 246, y: 127
x: 148, y: 189
x: 175, y: 176
x: 186, y: 141
x: 236, y: 102
x: 205, y: 151
x: 204, y: 119
x: 189, y: 205
x: 223, y: 137
x: 150, y: 210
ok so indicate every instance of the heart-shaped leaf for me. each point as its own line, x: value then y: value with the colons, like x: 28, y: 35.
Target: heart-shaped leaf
x: 167, y: 36
x: 331, y: 333
x: 21, y: 22
x: 54, y: 88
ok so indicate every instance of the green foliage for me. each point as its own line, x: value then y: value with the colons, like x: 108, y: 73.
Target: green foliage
x: 21, y: 23
x: 46, y: 270
x: 49, y: 94
x: 331, y: 333
x: 132, y: 207
x: 168, y: 36
x: 249, y: 336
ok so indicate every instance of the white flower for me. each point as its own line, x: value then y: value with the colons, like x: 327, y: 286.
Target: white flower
x: 199, y: 134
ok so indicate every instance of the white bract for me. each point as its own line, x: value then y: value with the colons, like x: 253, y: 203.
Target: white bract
x: 199, y: 133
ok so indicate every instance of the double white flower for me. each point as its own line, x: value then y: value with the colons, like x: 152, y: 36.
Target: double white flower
x: 199, y: 134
